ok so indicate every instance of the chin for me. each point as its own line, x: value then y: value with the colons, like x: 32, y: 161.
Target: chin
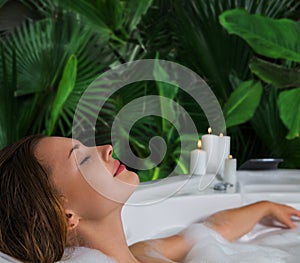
x: 129, y: 177
x: 135, y: 179
x: 125, y: 184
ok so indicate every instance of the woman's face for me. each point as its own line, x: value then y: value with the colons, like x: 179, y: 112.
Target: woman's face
x: 90, y: 181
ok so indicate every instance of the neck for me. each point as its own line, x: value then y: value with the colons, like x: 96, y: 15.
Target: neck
x: 107, y: 236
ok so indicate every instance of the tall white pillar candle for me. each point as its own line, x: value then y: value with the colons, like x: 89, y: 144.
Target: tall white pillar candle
x: 210, y: 144
x: 230, y: 170
x: 198, y: 160
x: 224, y: 151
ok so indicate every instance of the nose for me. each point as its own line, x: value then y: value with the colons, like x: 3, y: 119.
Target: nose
x: 105, y: 151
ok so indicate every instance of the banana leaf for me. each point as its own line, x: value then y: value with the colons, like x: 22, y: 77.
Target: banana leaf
x: 274, y: 38
x: 208, y: 49
x: 278, y: 75
x: 242, y: 103
x: 289, y: 106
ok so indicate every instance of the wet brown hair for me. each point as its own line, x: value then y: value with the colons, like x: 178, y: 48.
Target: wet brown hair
x: 33, y: 226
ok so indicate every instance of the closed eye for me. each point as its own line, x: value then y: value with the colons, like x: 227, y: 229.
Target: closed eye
x: 85, y: 160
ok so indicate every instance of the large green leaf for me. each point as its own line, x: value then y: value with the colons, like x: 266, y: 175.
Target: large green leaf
x: 242, y: 103
x: 66, y: 86
x: 277, y: 75
x: 275, y: 38
x: 208, y: 49
x: 289, y: 107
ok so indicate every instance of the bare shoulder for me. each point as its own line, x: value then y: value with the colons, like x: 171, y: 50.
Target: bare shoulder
x: 149, y: 252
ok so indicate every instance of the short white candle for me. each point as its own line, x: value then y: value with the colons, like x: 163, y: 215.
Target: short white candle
x: 230, y: 170
x: 198, y: 160
x: 210, y: 144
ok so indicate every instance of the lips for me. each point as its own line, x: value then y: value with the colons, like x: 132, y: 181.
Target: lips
x: 120, y: 168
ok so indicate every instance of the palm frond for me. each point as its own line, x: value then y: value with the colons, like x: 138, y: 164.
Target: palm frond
x: 42, y: 49
x: 9, y: 114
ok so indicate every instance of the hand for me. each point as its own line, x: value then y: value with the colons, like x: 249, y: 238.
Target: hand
x: 283, y: 213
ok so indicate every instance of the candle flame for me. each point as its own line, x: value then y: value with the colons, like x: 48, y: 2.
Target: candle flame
x: 199, y: 144
x: 209, y: 130
x: 221, y: 134
x: 230, y: 156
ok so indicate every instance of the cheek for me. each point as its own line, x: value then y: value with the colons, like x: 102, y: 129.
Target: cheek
x: 117, y: 189
x: 86, y: 202
x: 73, y: 187
x: 93, y: 191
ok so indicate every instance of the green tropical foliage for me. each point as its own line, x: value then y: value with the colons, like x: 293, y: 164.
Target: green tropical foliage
x: 64, y: 90
x: 289, y: 108
x: 273, y: 39
x: 223, y: 59
x: 50, y: 57
x: 244, y: 99
x: 280, y: 76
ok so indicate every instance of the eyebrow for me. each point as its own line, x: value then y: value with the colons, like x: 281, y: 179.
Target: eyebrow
x: 76, y: 146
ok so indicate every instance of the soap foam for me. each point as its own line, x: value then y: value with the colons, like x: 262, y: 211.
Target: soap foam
x: 262, y: 245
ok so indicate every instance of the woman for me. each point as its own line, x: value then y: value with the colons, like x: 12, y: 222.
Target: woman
x: 47, y: 205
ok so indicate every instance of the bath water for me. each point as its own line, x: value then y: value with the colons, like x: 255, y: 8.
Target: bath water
x: 261, y: 245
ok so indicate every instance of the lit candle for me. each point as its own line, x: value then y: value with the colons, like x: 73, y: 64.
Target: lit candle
x: 223, y: 152
x: 210, y: 144
x: 198, y: 160
x: 230, y: 170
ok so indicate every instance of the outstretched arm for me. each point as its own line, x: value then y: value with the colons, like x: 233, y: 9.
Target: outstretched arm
x: 234, y: 223
x: 231, y: 224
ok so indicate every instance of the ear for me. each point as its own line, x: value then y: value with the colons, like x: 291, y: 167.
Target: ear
x: 72, y: 218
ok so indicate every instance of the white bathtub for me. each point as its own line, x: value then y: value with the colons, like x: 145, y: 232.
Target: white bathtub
x: 165, y: 207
